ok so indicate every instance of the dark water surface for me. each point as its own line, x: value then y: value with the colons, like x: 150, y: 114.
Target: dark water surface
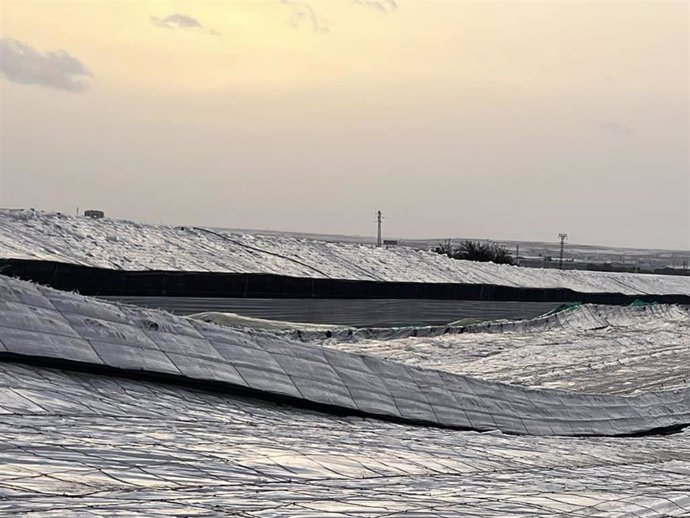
x: 353, y: 312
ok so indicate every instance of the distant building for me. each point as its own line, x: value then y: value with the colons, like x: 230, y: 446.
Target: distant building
x: 390, y: 242
x: 95, y: 214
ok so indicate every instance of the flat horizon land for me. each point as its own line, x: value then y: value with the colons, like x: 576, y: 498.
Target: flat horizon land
x: 579, y: 252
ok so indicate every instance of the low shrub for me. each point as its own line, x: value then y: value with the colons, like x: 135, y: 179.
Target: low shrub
x: 476, y: 251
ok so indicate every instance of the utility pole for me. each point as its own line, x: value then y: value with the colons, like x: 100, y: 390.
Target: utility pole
x: 379, y: 217
x: 517, y: 255
x: 562, y: 237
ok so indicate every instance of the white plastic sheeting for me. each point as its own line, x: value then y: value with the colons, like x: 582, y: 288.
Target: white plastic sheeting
x: 74, y: 444
x: 38, y: 322
x: 590, y: 348
x: 133, y: 246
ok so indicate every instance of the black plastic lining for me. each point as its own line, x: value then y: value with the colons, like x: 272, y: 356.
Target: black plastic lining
x: 94, y: 281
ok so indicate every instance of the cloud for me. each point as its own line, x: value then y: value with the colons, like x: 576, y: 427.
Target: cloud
x: 385, y: 6
x: 21, y: 63
x: 178, y: 21
x: 304, y: 15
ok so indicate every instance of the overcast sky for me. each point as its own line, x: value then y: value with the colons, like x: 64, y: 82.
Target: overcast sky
x: 488, y: 119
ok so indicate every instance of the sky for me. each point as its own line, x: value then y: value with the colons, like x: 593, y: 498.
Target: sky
x: 504, y: 120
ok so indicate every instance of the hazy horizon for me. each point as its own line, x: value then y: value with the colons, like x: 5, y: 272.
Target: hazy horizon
x: 506, y: 120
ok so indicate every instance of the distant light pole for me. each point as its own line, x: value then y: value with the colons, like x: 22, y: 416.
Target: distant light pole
x: 379, y: 217
x: 562, y: 237
x: 517, y: 255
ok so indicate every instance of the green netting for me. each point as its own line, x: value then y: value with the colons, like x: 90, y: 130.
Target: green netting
x: 563, y: 307
x: 640, y: 303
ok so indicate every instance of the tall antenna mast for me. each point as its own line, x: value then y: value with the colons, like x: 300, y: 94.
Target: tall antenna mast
x: 562, y: 237
x: 379, y: 217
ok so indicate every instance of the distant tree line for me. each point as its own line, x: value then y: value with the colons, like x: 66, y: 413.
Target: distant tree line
x: 475, y: 251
